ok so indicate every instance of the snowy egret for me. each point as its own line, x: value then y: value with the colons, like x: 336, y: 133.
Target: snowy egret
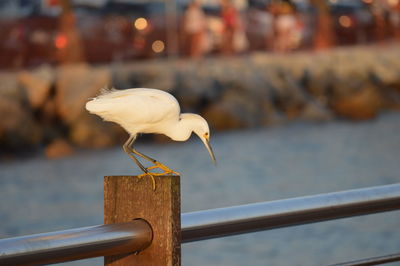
x: 145, y: 110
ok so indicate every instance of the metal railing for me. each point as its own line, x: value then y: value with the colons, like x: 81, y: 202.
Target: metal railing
x: 114, y: 239
x: 283, y: 213
x: 74, y: 244
x: 371, y: 261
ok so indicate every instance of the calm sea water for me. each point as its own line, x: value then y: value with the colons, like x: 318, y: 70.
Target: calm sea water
x: 37, y: 195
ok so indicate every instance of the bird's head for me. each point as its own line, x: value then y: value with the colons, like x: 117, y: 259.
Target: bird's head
x: 200, y: 128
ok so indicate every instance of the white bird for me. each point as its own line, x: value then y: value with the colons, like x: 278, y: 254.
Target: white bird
x: 143, y: 110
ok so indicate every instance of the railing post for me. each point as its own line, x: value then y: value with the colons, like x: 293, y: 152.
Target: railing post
x: 127, y: 198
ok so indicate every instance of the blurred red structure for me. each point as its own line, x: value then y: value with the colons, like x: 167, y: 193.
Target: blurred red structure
x: 116, y: 31
x: 128, y: 30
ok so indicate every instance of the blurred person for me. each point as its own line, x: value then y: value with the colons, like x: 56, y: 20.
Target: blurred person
x: 230, y: 21
x: 69, y: 43
x: 380, y: 13
x: 194, y: 29
x: 364, y: 20
x: 323, y: 35
x: 299, y: 31
x: 285, y: 28
x: 269, y: 28
x: 394, y: 18
x: 259, y: 28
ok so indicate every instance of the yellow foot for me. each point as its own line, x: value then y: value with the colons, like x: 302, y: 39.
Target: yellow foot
x: 162, y: 167
x: 157, y: 165
x: 153, y: 181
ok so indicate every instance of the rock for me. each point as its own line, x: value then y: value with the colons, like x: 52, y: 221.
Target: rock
x: 192, y: 90
x: 58, y: 148
x: 9, y: 87
x: 364, y: 104
x: 238, y: 109
x: 237, y: 92
x: 386, y: 72
x: 313, y: 111
x: 295, y: 98
x: 391, y: 94
x: 161, y: 76
x: 90, y: 131
x: 318, y: 81
x: 49, y: 111
x: 75, y: 84
x: 222, y: 116
x: 18, y: 130
x: 350, y: 77
x: 37, y: 84
x: 196, y: 84
x: 153, y: 74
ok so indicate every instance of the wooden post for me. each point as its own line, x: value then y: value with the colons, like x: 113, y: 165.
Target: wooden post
x: 128, y: 197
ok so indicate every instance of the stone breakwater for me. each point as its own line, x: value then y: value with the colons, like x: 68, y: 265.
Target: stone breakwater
x: 44, y: 107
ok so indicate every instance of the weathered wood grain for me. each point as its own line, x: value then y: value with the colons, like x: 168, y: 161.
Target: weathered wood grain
x: 127, y: 198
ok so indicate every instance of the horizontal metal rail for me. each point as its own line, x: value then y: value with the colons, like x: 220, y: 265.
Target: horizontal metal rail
x: 289, y: 212
x: 74, y: 244
x: 115, y: 239
x: 371, y: 261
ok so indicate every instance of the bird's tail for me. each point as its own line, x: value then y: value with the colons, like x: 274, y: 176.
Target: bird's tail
x: 99, y: 103
x: 106, y: 90
x: 93, y: 106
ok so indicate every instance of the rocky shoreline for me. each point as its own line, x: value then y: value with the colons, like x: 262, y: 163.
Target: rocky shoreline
x: 44, y: 107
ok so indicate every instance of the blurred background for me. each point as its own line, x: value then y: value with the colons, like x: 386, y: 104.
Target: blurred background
x: 302, y: 98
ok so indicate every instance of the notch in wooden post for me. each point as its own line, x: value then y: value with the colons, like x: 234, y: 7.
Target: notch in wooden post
x: 128, y: 197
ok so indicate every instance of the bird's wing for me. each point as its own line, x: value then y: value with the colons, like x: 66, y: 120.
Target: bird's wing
x: 135, y: 106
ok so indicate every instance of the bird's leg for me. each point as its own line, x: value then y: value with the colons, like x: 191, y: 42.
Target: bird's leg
x: 143, y: 155
x: 161, y: 166
x: 127, y: 148
x: 156, y: 163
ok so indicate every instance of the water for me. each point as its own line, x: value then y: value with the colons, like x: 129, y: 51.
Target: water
x: 37, y: 195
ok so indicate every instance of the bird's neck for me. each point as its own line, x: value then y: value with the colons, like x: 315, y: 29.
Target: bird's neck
x: 182, y: 130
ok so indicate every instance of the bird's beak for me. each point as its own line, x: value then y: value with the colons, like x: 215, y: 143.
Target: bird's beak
x: 206, y: 141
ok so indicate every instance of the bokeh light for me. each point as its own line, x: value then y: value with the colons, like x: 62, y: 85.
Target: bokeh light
x: 141, y: 23
x: 61, y: 41
x: 158, y: 46
x: 345, y: 21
